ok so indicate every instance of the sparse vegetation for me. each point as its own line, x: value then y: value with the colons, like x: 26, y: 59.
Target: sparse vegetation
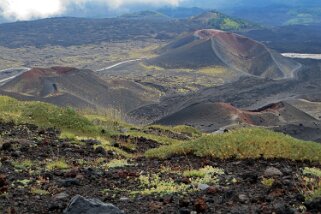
x: 213, y: 70
x: 312, y: 181
x: 37, y: 191
x: 117, y: 163
x: 57, y: 164
x: 221, y: 21
x: 22, y: 165
x: 23, y: 182
x: 44, y: 115
x: 203, y: 172
x: 151, y: 67
x: 205, y: 175
x: 244, y: 143
x: 156, y: 184
x: 312, y: 171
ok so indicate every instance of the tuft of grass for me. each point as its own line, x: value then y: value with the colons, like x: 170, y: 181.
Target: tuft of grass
x: 203, y: 172
x: 36, y: 191
x: 243, y: 143
x: 312, y: 183
x: 267, y: 182
x: 22, y: 165
x: 107, y: 145
x: 24, y: 182
x: 312, y: 171
x: 57, y: 164
x: 117, y: 163
x: 155, y: 185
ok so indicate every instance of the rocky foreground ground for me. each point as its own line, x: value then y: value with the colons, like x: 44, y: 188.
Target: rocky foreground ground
x: 41, y: 173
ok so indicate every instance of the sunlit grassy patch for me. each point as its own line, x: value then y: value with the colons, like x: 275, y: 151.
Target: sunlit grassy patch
x: 244, y: 143
x: 151, y: 67
x: 157, y: 184
x: 45, y: 115
x: 117, y: 163
x: 213, y: 70
x: 57, y: 164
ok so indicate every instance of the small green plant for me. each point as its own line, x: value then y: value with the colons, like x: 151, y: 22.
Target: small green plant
x: 57, y: 164
x: 312, y: 171
x: 203, y: 172
x: 157, y: 184
x: 117, y: 163
x: 267, y: 182
x: 22, y: 165
x: 36, y: 191
x: 154, y: 184
x: 205, y: 175
x: 312, y: 183
x: 23, y: 182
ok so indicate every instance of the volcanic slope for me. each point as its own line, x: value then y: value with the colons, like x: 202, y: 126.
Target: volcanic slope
x: 211, y: 117
x: 78, y: 88
x: 215, y: 48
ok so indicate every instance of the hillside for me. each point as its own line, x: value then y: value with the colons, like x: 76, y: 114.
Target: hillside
x: 213, y: 117
x: 249, y: 101
x: 279, y: 38
x: 206, y: 48
x: 46, y: 168
x: 217, y: 20
x: 78, y: 88
x: 136, y: 26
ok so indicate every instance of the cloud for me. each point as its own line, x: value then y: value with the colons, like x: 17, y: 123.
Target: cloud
x: 25, y: 9
x: 29, y: 9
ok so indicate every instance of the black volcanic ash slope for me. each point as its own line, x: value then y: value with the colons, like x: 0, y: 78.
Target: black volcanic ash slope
x: 206, y: 48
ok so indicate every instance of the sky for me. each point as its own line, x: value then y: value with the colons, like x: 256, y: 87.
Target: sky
x: 28, y: 9
x: 13, y: 10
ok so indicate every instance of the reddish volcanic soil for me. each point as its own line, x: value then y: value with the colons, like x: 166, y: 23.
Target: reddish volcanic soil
x: 243, y: 116
x: 40, y: 72
x: 237, y: 44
